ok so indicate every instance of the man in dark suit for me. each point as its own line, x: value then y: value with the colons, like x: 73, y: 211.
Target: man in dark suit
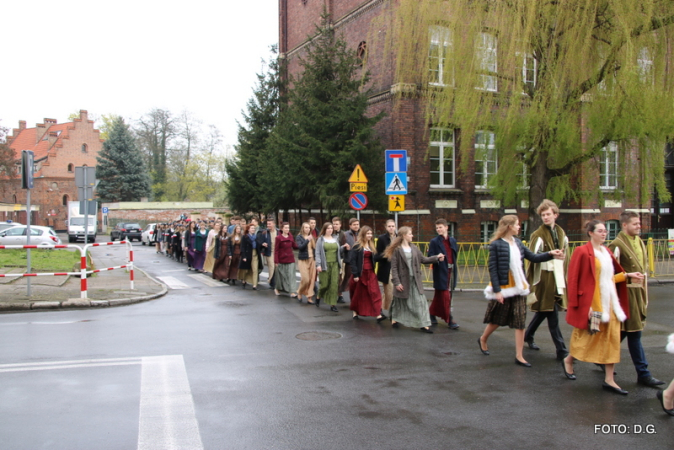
x: 265, y: 241
x: 444, y: 273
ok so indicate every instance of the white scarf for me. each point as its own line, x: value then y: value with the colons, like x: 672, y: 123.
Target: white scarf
x: 607, y: 289
x: 521, y: 286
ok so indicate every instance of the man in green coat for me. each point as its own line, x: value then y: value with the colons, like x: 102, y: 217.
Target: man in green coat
x: 630, y: 252
x: 547, y: 279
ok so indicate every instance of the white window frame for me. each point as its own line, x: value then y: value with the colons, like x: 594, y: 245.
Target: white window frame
x: 487, y: 229
x: 526, y: 69
x: 489, y: 151
x: 440, y: 39
x: 443, y: 145
x: 645, y: 65
x: 608, y: 167
x: 487, y: 55
x: 613, y: 228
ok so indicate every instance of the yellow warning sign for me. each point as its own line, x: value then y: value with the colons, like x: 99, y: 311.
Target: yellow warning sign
x: 396, y: 203
x: 358, y: 176
x: 358, y: 187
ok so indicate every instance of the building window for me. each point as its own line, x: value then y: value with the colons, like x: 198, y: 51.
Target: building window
x: 523, y: 177
x: 613, y: 228
x: 440, y: 72
x: 441, y: 155
x: 487, y: 229
x: 645, y: 66
x: 361, y: 52
x: 84, y: 148
x: 608, y: 166
x: 486, y: 55
x: 452, y: 229
x: 65, y: 200
x: 529, y: 66
x: 71, y: 168
x: 485, y: 158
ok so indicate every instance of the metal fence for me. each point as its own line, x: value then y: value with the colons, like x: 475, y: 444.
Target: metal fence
x: 473, y: 257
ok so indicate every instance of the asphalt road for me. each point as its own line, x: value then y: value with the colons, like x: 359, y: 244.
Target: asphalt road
x: 218, y: 367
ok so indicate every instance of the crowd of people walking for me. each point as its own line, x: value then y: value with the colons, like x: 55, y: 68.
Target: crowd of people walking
x: 602, y: 288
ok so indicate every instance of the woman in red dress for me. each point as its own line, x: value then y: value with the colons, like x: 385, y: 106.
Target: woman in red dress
x: 364, y: 287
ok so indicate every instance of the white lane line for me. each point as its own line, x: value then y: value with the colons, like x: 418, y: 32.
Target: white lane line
x: 173, y: 283
x: 69, y: 366
x: 167, y: 417
x: 73, y: 363
x: 207, y: 280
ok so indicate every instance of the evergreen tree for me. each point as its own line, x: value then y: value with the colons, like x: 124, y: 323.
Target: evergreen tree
x: 244, y: 190
x: 557, y: 82
x: 121, y: 169
x: 324, y: 132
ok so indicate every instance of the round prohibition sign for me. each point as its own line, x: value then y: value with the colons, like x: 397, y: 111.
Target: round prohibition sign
x: 358, y: 201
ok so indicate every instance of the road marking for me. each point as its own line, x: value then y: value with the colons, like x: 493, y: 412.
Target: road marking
x: 173, y: 283
x: 167, y: 417
x: 208, y: 281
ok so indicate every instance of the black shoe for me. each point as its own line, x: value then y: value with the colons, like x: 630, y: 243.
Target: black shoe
x: 318, y: 302
x: 334, y: 309
x: 355, y: 317
x: 427, y: 330
x: 434, y: 321
x: 395, y: 325
x: 570, y: 376
x: 523, y: 364
x: 340, y: 299
x: 660, y: 397
x: 615, y: 390
x: 650, y: 382
x: 382, y: 317
x: 453, y: 325
x: 484, y: 352
x: 532, y: 345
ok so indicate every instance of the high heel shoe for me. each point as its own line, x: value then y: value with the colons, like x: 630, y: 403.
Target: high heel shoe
x: 484, y: 352
x: 570, y: 376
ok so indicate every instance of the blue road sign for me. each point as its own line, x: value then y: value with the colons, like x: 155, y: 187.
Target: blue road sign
x: 396, y: 183
x: 104, y: 210
x: 358, y: 201
x: 396, y: 160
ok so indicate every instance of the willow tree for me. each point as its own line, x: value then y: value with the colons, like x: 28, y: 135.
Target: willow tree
x: 561, y: 85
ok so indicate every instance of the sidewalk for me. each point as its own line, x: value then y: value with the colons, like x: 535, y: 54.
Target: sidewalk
x: 108, y: 288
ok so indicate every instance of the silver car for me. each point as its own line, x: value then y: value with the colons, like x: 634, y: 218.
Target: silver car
x: 42, y: 236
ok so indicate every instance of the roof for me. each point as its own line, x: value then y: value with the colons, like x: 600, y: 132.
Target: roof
x: 26, y: 140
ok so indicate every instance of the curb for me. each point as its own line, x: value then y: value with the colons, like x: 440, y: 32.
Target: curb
x: 82, y: 303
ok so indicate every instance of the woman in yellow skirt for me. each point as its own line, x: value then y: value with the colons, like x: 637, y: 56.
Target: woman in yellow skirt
x: 598, y: 302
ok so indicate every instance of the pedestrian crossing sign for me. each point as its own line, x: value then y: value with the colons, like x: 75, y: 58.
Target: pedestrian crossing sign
x: 396, y: 203
x: 396, y: 183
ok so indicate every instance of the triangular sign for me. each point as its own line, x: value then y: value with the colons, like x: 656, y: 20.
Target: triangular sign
x: 358, y: 176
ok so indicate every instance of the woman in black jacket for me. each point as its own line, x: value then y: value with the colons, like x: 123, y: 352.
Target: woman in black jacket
x: 251, y: 263
x: 508, y: 289
x: 384, y: 265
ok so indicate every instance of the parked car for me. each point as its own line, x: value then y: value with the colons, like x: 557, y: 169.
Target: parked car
x: 148, y: 233
x: 5, y: 225
x: 124, y: 231
x: 42, y: 236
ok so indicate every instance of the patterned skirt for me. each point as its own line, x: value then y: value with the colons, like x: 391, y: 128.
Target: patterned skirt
x: 513, y: 312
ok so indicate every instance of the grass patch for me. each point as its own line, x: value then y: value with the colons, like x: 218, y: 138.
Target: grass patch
x: 41, y: 260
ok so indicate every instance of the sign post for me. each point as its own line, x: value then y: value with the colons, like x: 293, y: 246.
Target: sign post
x: 396, y: 180
x: 358, y: 185
x: 27, y: 162
x: 85, y: 180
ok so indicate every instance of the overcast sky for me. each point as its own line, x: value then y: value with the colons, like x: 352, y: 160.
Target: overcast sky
x: 126, y: 57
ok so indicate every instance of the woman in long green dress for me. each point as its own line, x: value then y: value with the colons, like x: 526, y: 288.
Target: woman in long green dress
x: 328, y: 263
x: 409, y: 306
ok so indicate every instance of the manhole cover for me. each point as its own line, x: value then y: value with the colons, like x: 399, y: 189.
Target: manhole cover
x: 317, y: 336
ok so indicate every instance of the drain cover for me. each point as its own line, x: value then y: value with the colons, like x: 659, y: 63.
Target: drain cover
x: 317, y: 336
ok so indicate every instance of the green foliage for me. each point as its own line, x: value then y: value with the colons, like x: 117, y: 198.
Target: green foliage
x: 41, y: 260
x: 600, y: 69
x: 323, y: 132
x: 244, y: 188
x: 121, y: 169
x: 8, y: 158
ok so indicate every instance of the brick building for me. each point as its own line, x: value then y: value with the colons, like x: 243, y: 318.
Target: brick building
x: 58, y: 149
x: 434, y: 187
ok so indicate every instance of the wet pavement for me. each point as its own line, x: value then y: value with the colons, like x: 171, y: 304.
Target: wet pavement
x: 265, y: 372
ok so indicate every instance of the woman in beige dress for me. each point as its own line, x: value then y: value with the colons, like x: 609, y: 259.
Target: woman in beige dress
x: 210, y: 247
